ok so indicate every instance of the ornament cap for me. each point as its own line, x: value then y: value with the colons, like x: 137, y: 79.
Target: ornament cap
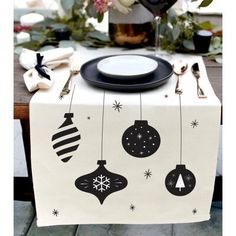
x: 68, y: 115
x: 180, y: 167
x: 101, y: 162
x: 139, y: 122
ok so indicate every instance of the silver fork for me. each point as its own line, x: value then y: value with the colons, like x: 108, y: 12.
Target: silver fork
x: 196, y: 72
x: 74, y: 69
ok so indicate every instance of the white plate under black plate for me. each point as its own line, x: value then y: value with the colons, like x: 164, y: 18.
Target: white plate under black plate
x: 90, y: 73
x: 126, y: 67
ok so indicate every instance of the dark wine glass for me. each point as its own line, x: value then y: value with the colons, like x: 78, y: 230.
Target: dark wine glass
x: 157, y: 8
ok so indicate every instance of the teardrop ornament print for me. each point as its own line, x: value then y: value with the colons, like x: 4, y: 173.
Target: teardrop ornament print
x: 66, y: 140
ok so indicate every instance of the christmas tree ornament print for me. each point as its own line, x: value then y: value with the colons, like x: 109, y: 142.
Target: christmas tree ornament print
x: 141, y: 140
x: 101, y: 182
x: 66, y: 139
x: 180, y: 181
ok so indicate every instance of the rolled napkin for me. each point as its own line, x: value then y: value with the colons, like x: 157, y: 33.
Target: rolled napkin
x: 39, y: 65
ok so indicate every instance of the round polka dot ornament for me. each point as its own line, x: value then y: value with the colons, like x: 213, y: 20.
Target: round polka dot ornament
x: 180, y: 181
x: 141, y: 140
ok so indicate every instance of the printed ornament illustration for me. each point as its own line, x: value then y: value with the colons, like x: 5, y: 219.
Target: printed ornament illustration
x: 180, y: 181
x: 141, y: 140
x: 66, y: 140
x: 101, y: 182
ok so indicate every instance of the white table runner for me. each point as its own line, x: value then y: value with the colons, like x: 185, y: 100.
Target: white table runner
x: 104, y: 157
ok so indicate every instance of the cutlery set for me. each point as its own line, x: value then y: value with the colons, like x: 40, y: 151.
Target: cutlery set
x: 179, y: 69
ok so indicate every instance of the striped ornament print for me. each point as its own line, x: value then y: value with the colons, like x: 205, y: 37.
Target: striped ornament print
x: 66, y: 140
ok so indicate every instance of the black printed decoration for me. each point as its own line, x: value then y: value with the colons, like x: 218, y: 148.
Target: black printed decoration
x: 66, y: 140
x: 141, y: 140
x: 101, y: 182
x: 180, y: 181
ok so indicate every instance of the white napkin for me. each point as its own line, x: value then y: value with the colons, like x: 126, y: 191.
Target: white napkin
x: 46, y: 61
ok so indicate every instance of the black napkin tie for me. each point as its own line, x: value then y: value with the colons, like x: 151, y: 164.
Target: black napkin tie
x: 39, y: 67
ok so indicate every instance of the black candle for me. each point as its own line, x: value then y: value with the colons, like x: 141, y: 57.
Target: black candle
x: 201, y: 40
x: 62, y: 33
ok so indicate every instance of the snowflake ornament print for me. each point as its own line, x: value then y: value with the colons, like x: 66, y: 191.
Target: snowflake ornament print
x: 101, y: 182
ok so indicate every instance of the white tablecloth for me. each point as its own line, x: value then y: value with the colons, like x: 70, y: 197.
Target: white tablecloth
x: 121, y: 162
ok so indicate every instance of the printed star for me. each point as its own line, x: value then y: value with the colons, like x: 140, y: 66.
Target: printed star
x: 147, y: 174
x: 132, y: 207
x: 188, y: 177
x: 171, y: 183
x: 117, y: 106
x: 139, y: 136
x: 194, y: 211
x: 194, y: 123
x: 55, y: 212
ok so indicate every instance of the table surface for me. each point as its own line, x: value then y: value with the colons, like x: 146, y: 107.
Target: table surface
x: 22, y: 96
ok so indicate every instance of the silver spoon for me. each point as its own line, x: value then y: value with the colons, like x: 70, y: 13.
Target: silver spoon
x: 179, y: 69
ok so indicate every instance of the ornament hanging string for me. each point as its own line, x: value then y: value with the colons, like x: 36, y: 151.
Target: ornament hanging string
x: 141, y: 115
x: 103, y: 108
x: 71, y: 98
x: 181, y: 129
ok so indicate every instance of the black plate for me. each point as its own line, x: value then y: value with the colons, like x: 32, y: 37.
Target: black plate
x: 160, y: 76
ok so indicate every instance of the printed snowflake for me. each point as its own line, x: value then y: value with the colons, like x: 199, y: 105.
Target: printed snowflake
x: 147, y: 173
x: 101, y: 183
x: 117, y: 106
x: 55, y: 212
x: 194, y: 123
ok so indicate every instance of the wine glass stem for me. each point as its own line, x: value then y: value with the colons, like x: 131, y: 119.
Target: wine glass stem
x: 157, y: 34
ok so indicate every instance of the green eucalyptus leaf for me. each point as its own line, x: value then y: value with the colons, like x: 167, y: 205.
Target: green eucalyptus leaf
x: 91, y: 11
x: 215, y: 51
x: 45, y: 48
x: 176, y: 32
x: 18, y: 50
x: 33, y: 45
x: 67, y: 5
x: 218, y: 59
x: 99, y: 36
x: 188, y: 44
x: 66, y: 44
x: 79, y: 3
x: 205, y: 3
x: 205, y: 25
x: 78, y: 35
x: 171, y: 13
x: 100, y: 18
x: 216, y: 42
